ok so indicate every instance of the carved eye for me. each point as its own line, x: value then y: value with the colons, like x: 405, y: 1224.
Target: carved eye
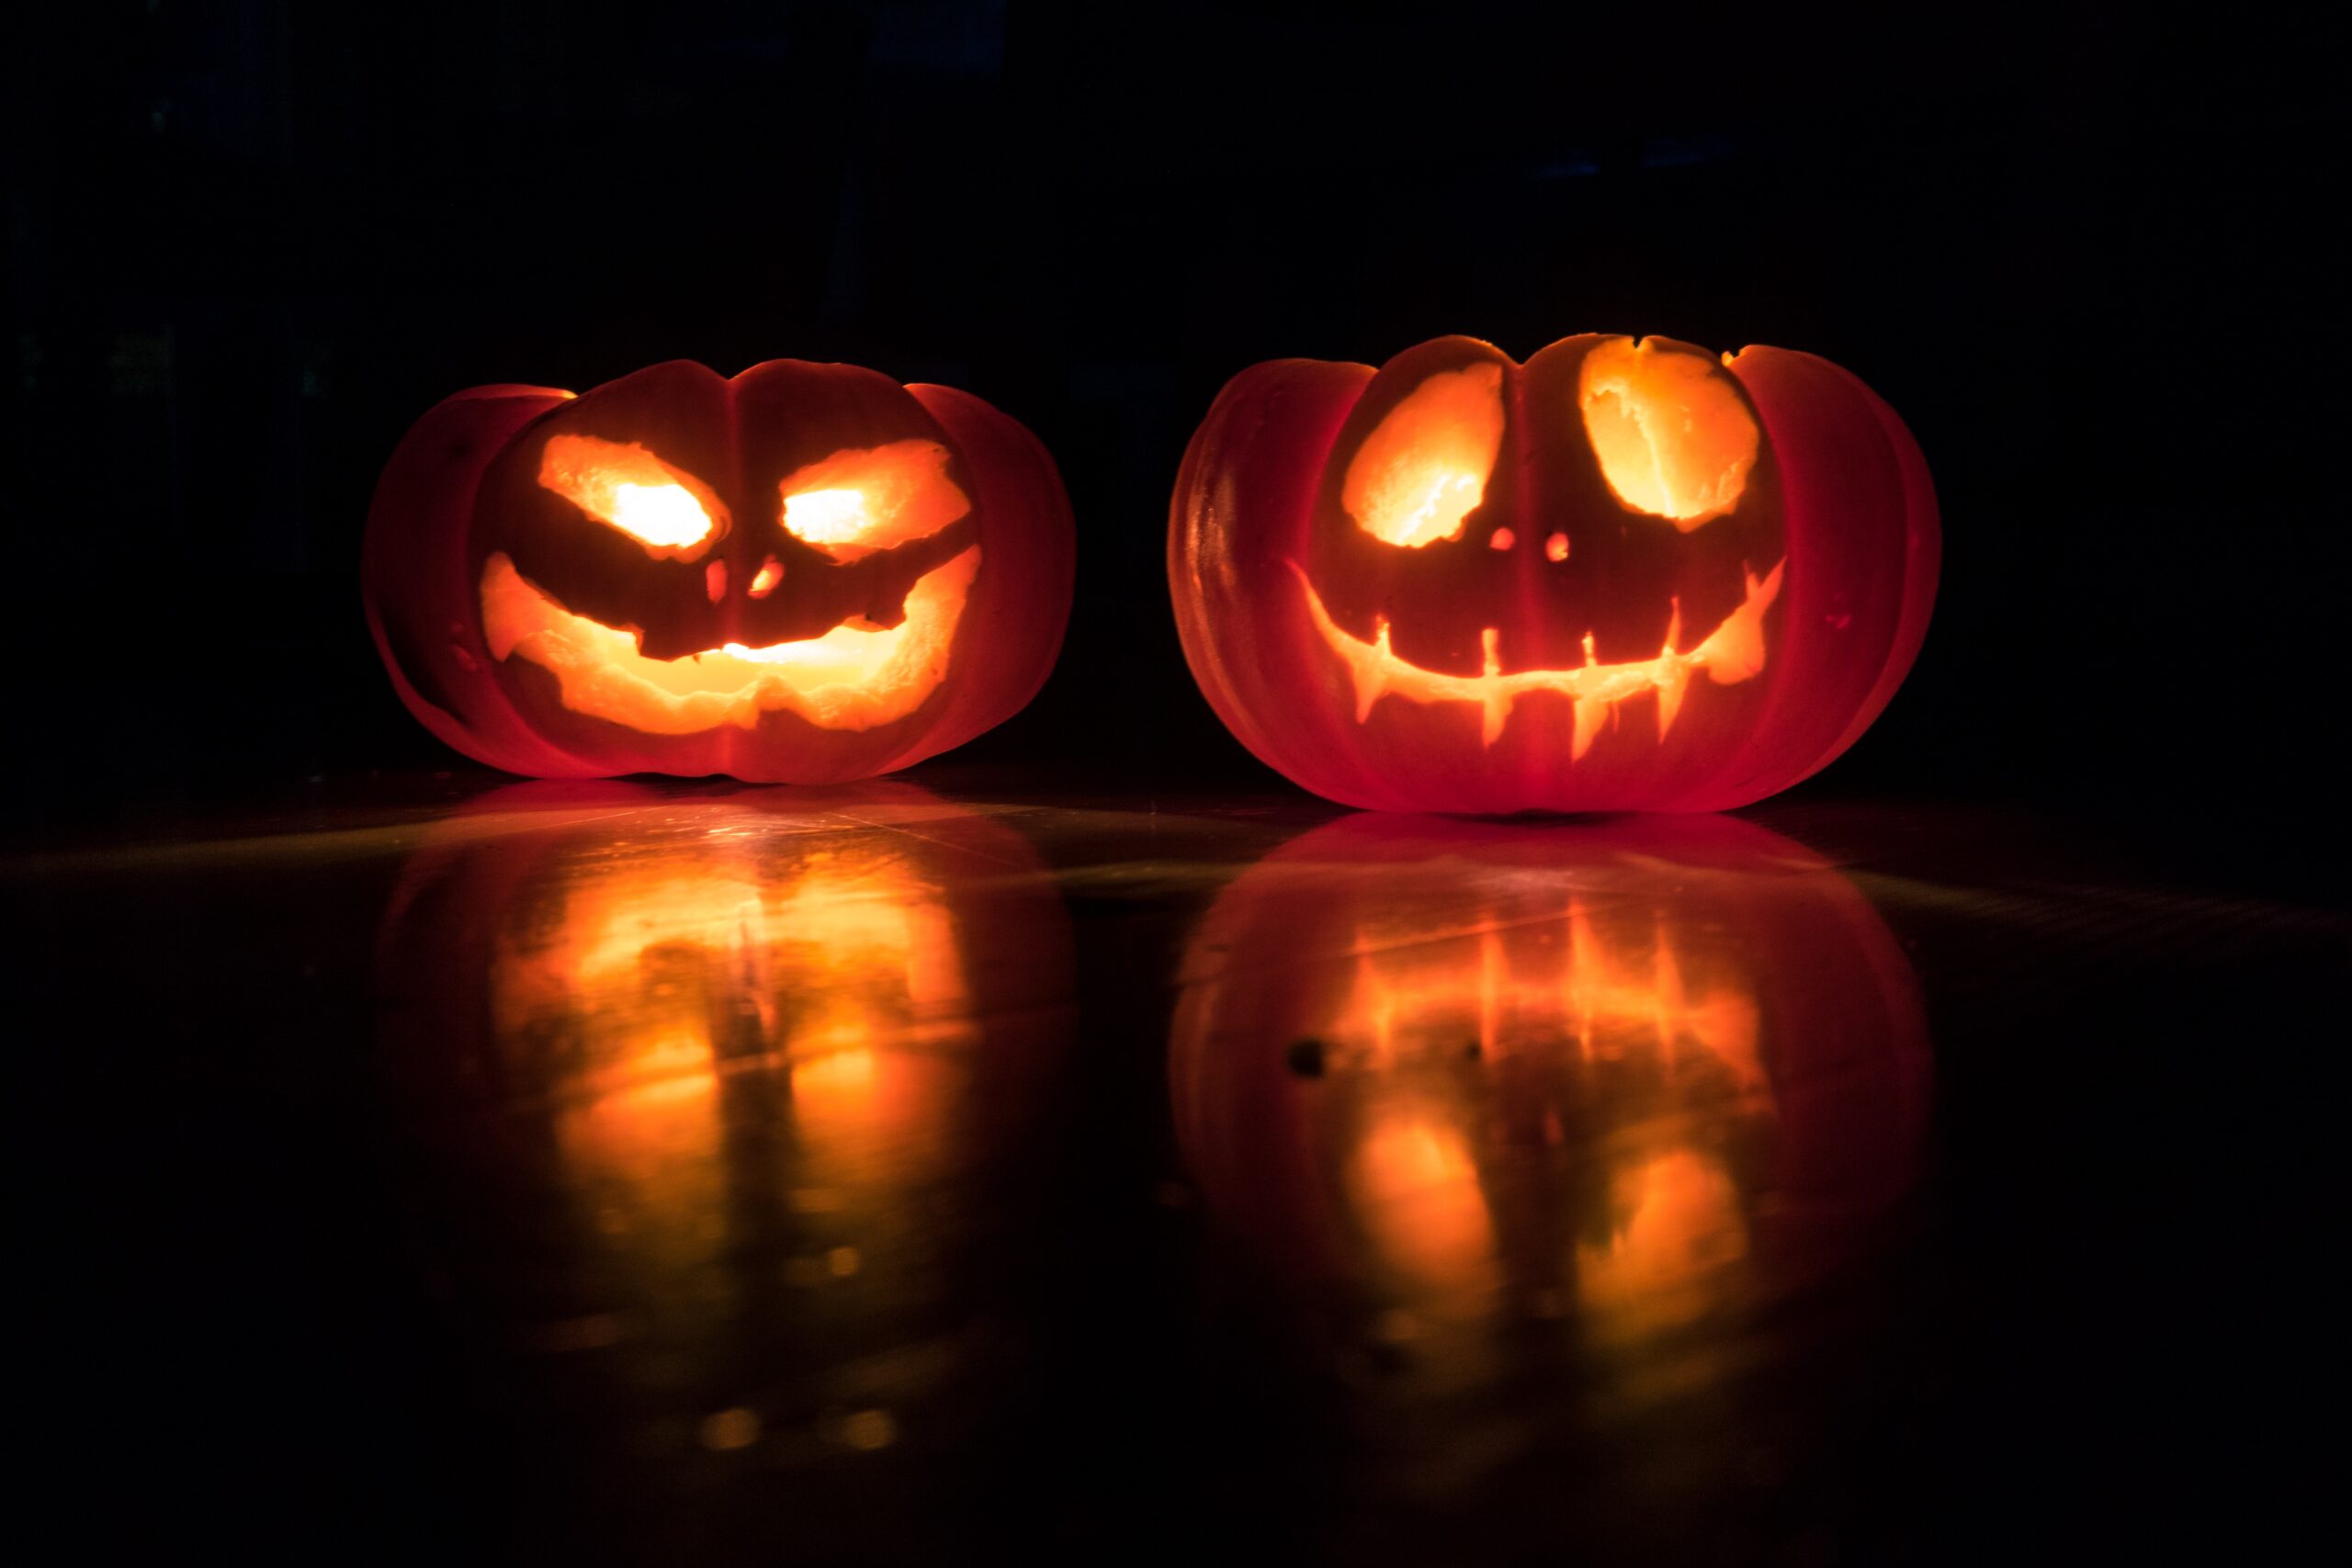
x: 624, y: 486
x: 1674, y: 438
x: 1424, y: 467
x: 872, y: 498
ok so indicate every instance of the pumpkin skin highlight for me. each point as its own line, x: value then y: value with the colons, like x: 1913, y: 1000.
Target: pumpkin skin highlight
x: 532, y: 634
x: 1563, y: 647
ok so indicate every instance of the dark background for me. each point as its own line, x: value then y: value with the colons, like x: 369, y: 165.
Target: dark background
x: 251, y: 243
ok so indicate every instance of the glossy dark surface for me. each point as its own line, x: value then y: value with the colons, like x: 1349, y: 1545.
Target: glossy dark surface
x: 436, y: 1170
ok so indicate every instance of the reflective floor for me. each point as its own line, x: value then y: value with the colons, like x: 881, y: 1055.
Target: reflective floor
x: 619, y: 1172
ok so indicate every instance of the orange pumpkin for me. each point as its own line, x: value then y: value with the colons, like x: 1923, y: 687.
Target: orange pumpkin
x: 806, y: 574
x: 1621, y: 576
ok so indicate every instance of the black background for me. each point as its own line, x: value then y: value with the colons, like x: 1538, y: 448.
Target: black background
x: 251, y: 243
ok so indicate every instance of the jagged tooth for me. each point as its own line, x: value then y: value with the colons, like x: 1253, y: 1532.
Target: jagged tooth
x: 1371, y: 674
x: 1498, y: 715
x: 1494, y: 712
x: 1590, y: 711
x: 1671, y: 689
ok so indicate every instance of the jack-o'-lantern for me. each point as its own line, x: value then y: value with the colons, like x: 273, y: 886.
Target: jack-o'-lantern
x: 727, y: 1091
x: 1621, y: 576
x: 807, y: 574
x: 1454, y: 1078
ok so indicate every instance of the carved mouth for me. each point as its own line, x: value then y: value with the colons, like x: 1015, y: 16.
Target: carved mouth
x: 1732, y: 653
x: 854, y: 677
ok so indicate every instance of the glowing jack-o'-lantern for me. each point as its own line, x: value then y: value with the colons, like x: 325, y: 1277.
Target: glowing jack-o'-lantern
x: 1452, y: 1075
x: 1622, y: 576
x: 711, y: 1078
x: 806, y: 574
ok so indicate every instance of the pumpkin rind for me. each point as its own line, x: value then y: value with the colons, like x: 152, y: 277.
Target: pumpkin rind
x: 1552, y: 652
x: 467, y: 526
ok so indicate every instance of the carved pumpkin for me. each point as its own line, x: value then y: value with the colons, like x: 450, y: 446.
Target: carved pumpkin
x: 1622, y: 576
x: 806, y: 574
x: 721, y: 1088
x: 1479, y: 1075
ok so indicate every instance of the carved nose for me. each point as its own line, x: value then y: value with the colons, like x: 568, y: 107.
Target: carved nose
x: 764, y: 581
x: 1556, y: 548
x: 1501, y: 540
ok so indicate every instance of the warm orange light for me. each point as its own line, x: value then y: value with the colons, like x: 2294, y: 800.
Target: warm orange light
x: 764, y: 580
x: 1732, y: 652
x: 827, y: 516
x: 623, y: 485
x: 854, y: 677
x: 1677, y: 1222
x: 872, y: 498
x: 1415, y: 1182
x: 1526, y: 988
x: 1424, y: 467
x: 1483, y: 979
x: 1673, y: 437
x: 664, y: 975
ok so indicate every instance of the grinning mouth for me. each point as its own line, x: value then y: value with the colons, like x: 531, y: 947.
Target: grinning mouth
x: 854, y: 677
x: 1732, y: 652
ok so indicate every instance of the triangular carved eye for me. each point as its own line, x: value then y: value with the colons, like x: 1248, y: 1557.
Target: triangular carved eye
x: 1424, y: 467
x: 622, y: 485
x: 1673, y: 437
x: 872, y: 498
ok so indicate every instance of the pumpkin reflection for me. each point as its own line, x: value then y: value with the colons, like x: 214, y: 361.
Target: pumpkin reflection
x: 846, y: 978
x: 1634, y: 1077
x: 723, y: 1083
